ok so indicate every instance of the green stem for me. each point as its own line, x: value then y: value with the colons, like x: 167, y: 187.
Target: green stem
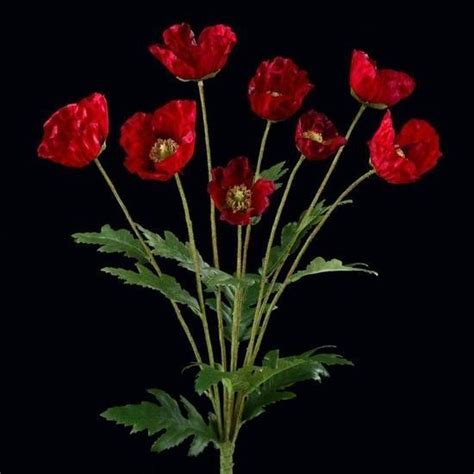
x: 266, y: 261
x: 227, y: 458
x: 197, y: 268
x: 215, y: 399
x: 300, y: 255
x: 313, y: 204
x: 150, y: 256
x: 262, y: 149
x: 212, y: 218
x: 336, y: 157
x: 236, y: 313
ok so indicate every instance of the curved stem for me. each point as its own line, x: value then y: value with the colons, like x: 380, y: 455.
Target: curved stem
x: 300, y: 255
x: 197, y: 268
x: 266, y: 261
x: 150, y: 255
x: 262, y: 149
x: 311, y: 207
x: 215, y: 397
x: 337, y: 157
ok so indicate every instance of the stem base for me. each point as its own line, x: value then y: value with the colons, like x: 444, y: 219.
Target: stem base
x: 227, y: 458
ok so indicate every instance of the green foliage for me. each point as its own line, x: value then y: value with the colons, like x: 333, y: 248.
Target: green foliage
x: 319, y: 265
x: 296, y: 231
x: 113, y: 241
x: 274, y: 173
x: 165, y: 284
x: 307, y: 366
x: 167, y: 419
x: 276, y: 371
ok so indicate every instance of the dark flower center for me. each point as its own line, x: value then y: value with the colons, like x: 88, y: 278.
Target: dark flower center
x: 314, y: 136
x: 162, y: 149
x: 238, y: 198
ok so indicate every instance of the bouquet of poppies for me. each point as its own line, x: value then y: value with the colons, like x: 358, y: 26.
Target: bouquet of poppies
x: 233, y: 306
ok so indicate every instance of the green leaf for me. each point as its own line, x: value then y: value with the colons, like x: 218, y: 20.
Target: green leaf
x: 165, y: 284
x: 207, y: 377
x: 274, y: 173
x: 245, y: 380
x: 319, y: 265
x: 167, y: 419
x: 170, y: 247
x: 113, y: 241
x: 306, y: 366
x: 294, y: 232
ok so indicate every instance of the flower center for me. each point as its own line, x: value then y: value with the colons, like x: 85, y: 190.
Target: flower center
x: 274, y: 93
x: 238, y: 198
x: 162, y: 149
x: 314, y: 136
x: 399, y: 152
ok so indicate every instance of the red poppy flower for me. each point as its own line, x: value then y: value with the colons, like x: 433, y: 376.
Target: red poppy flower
x: 316, y: 136
x: 278, y: 89
x: 192, y: 60
x: 236, y: 195
x: 405, y: 157
x: 380, y: 88
x: 159, y: 145
x: 75, y: 134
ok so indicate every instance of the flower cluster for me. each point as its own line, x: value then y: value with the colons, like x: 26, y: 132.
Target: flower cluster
x: 158, y: 145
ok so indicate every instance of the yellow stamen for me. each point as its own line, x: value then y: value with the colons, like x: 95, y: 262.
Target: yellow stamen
x: 162, y: 149
x: 314, y: 136
x: 238, y: 198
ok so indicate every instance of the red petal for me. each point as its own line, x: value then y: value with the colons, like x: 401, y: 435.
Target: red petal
x: 176, y: 120
x: 386, y: 162
x: 421, y: 144
x: 261, y: 191
x: 215, y: 44
x: 362, y: 75
x: 73, y: 136
x: 235, y: 218
x: 237, y: 172
x: 393, y: 86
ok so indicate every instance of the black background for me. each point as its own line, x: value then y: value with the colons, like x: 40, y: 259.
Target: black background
x: 75, y: 341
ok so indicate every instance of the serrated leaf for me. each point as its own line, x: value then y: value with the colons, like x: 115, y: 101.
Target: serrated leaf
x: 293, y: 233
x: 273, y: 390
x: 113, y: 241
x: 320, y: 265
x: 207, y: 377
x: 165, y: 284
x: 275, y: 172
x: 142, y: 417
x: 170, y: 247
x: 167, y: 419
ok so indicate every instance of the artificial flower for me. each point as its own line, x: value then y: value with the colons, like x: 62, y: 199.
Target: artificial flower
x: 405, y: 157
x: 160, y: 144
x: 316, y: 136
x: 76, y: 133
x: 278, y: 89
x: 192, y: 59
x: 380, y: 88
x: 235, y: 194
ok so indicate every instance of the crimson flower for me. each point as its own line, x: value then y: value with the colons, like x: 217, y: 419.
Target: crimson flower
x: 379, y: 88
x: 158, y: 145
x: 316, y: 136
x: 278, y: 89
x: 236, y: 195
x: 192, y: 60
x: 75, y: 134
x: 405, y: 157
